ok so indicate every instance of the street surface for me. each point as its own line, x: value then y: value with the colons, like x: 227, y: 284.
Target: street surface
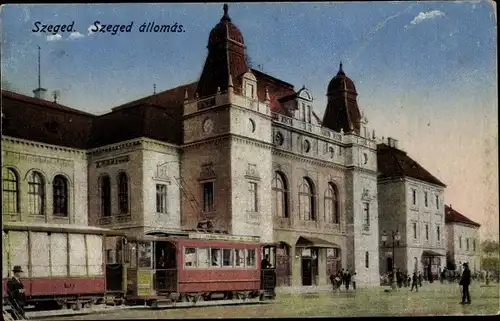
x: 432, y: 299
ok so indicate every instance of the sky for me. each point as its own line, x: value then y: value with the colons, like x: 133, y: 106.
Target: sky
x: 425, y: 72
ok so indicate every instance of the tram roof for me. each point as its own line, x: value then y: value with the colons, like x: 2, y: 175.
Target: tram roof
x: 64, y: 228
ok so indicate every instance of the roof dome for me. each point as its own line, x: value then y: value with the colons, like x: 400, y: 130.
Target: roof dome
x: 341, y: 83
x: 225, y: 29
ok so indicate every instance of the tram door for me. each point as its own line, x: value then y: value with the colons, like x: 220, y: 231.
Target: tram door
x: 165, y: 266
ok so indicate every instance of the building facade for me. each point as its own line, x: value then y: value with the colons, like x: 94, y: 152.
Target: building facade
x: 463, y: 242
x: 412, y: 204
x: 238, y: 151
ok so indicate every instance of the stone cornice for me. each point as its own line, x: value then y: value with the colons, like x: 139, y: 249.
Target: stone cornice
x: 230, y: 137
x: 282, y: 153
x: 208, y: 141
x: 49, y: 147
x: 144, y: 142
x: 363, y: 170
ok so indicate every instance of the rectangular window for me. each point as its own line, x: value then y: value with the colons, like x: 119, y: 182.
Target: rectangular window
x: 252, y: 197
x: 414, y: 230
x: 215, y: 257
x: 250, y: 91
x: 460, y: 242
x: 474, y: 245
x: 366, y: 215
x: 308, y: 114
x: 208, y: 197
x: 467, y: 243
x: 414, y: 196
x: 438, y: 233
x: 426, y: 199
x: 437, y: 201
x: 303, y: 112
x: 367, y: 260
x: 203, y: 257
x: 161, y: 198
x: 427, y: 232
x: 190, y: 257
x: 227, y: 257
x: 250, y: 254
x: 239, y: 258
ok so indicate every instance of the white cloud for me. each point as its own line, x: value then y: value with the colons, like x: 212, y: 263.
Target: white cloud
x: 75, y: 35
x: 90, y: 29
x: 55, y: 37
x: 426, y: 16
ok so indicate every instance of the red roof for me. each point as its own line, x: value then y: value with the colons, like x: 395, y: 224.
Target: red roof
x: 393, y: 162
x: 452, y: 216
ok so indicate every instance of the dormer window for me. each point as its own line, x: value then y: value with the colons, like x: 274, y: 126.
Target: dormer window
x: 250, y: 85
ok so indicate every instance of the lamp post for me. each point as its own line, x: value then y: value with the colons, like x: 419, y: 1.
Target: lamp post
x: 396, y: 238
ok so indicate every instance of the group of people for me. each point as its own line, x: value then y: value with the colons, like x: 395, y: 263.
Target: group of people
x: 344, y: 278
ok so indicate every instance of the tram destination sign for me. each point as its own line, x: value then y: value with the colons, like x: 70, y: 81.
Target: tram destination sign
x: 222, y: 237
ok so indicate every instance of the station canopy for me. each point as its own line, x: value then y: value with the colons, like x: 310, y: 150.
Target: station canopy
x: 311, y: 241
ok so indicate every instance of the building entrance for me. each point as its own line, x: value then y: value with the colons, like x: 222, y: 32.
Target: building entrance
x: 309, y: 266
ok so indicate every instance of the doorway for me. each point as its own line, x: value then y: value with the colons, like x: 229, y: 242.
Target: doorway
x: 389, y: 265
x: 309, y: 264
x: 165, y: 266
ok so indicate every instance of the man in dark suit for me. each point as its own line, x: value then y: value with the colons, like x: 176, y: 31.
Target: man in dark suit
x: 465, y: 282
x: 17, y: 297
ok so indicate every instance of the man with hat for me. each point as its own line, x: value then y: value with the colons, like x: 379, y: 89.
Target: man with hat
x: 17, y: 297
x: 465, y: 282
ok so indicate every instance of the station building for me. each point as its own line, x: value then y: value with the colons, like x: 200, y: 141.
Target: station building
x: 238, y: 151
x: 411, y: 204
x: 462, y: 237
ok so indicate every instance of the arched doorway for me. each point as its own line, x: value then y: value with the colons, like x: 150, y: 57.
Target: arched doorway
x: 283, y: 266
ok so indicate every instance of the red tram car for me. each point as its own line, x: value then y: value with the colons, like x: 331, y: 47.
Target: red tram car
x: 202, y: 266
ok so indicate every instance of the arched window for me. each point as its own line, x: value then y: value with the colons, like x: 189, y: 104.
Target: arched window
x: 123, y: 193
x: 60, y: 195
x: 10, y: 192
x: 280, y: 194
x: 36, y: 193
x: 105, y: 186
x: 332, y: 204
x: 307, y: 210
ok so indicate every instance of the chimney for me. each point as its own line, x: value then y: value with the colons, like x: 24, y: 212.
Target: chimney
x: 40, y: 93
x: 391, y: 142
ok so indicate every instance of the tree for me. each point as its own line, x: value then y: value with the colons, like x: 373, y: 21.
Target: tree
x: 490, y: 255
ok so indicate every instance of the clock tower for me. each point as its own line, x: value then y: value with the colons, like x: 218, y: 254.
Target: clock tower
x: 226, y: 125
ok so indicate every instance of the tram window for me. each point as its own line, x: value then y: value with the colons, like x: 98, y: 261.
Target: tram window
x: 145, y: 255
x: 203, y: 258
x: 190, y: 257
x: 215, y: 257
x: 227, y: 257
x: 250, y: 257
x: 239, y: 258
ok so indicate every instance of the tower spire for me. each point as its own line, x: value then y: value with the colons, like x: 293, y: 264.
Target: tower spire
x: 225, y: 17
x: 341, y: 70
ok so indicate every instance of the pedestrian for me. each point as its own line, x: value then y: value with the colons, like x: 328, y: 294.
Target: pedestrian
x: 399, y: 278
x: 353, y: 280
x: 347, y: 280
x: 264, y: 264
x: 414, y: 283
x: 342, y: 276
x: 464, y: 283
x: 420, y: 279
x: 16, y: 295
